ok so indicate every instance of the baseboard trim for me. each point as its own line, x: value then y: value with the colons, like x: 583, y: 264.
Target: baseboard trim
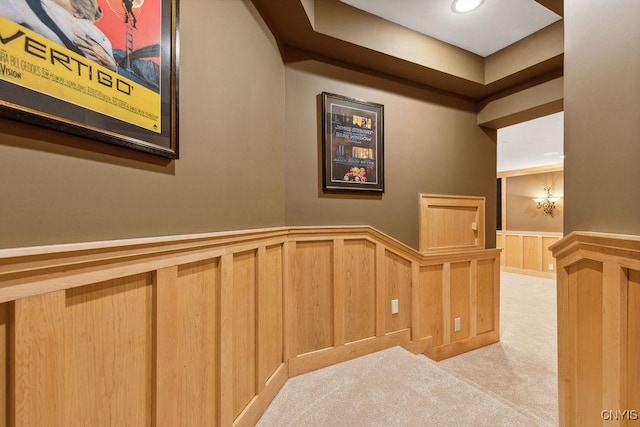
x: 330, y: 356
x: 259, y: 404
x: 456, y: 348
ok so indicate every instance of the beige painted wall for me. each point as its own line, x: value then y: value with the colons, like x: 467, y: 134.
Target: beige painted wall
x: 56, y: 188
x: 240, y: 165
x: 432, y: 145
x: 522, y: 213
x: 602, y: 125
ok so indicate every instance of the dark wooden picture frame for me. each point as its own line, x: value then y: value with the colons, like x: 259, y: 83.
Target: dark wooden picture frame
x: 352, y: 144
x: 122, y: 89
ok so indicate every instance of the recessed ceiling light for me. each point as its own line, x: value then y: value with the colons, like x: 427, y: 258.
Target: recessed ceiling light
x: 464, y: 6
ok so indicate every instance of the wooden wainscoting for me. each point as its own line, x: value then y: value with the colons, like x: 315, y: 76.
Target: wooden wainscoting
x: 206, y: 329
x: 465, y: 287
x: 598, y: 328
x: 527, y: 252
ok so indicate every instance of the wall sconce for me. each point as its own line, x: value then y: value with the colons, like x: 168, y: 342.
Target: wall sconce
x: 548, y: 203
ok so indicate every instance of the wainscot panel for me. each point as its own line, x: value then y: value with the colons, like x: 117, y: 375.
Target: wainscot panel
x: 206, y: 329
x: 598, y: 327
x: 527, y: 252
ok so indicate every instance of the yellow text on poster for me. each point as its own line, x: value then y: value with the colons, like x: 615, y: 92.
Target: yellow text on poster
x: 32, y: 61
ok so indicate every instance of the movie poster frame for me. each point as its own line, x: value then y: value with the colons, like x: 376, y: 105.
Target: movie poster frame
x: 374, y: 114
x: 42, y: 110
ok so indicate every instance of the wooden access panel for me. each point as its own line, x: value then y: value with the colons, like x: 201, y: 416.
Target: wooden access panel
x: 451, y: 223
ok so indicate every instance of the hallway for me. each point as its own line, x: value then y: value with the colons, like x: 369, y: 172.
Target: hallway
x: 513, y: 382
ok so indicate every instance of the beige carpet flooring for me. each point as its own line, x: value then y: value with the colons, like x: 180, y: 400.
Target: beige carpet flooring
x: 511, y: 383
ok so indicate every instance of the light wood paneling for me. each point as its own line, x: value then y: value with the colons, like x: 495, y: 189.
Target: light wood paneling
x: 446, y: 304
x: 547, y: 256
x: 566, y: 349
x: 4, y: 364
x: 416, y: 334
x: 338, y: 293
x: 165, y: 337
x: 360, y: 290
x: 633, y: 341
x: 226, y: 395
x: 598, y: 327
x: 531, y: 259
x: 270, y: 312
x: 244, y: 330
x: 614, y: 326
x: 197, y: 300
x: 290, y: 309
x: 381, y: 290
x: 314, y: 295
x: 473, y: 298
x: 105, y: 385
x: 69, y: 353
x: 587, y: 291
x: 431, y: 303
x: 460, y: 281
x: 398, y: 282
x: 500, y: 245
x: 486, y: 299
x: 201, y: 331
x: 38, y: 375
x: 528, y: 252
x: 513, y: 251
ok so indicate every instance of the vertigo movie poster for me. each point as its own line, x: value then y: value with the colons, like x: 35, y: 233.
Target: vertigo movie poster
x: 101, y: 64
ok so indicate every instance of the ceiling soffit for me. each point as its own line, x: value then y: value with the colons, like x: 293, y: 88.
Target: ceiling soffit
x: 336, y: 31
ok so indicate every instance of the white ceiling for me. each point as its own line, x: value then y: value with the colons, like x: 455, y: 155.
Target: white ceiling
x: 530, y: 144
x: 493, y: 26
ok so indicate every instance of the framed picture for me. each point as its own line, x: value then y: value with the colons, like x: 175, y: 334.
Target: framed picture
x: 352, y: 144
x: 108, y: 70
